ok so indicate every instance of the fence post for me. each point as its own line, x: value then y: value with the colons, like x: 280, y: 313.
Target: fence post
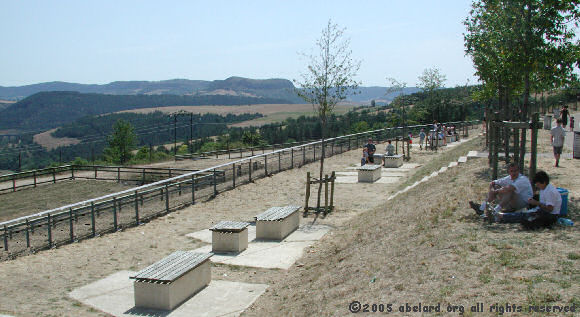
x: 332, y: 177
x: 214, y: 183
x: 96, y: 169
x: 303, y: 155
x: 136, y: 208
x: 53, y: 176
x: 118, y: 174
x: 5, y: 238
x: 266, y: 165
x: 325, y: 194
x: 93, y: 228
x: 70, y: 215
x: 307, y: 191
x: 115, y: 213
x: 72, y: 172
x: 193, y: 189
x: 250, y: 171
x: 167, y: 198
x: 234, y: 175
x: 279, y: 161
x: 49, y: 231
x: 13, y: 183
x: 292, y: 158
x: 27, y: 233
x: 314, y: 151
x: 34, y: 173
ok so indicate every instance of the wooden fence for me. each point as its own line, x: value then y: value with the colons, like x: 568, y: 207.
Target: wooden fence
x: 131, y: 207
x: 135, y: 175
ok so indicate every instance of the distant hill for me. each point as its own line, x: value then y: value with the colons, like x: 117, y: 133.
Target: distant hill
x: 234, y: 86
x: 47, y: 110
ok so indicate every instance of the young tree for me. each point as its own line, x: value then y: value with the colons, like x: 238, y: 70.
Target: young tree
x: 328, y: 80
x: 397, y: 88
x: 121, y: 142
x: 431, y: 80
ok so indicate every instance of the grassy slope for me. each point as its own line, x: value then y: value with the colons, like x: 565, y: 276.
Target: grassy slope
x: 427, y: 246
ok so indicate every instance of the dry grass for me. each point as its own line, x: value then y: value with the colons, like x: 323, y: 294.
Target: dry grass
x: 272, y: 112
x: 426, y: 246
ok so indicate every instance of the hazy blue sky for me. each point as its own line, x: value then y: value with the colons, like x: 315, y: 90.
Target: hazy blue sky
x: 96, y: 42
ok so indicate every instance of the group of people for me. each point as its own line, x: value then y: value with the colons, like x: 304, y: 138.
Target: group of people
x: 369, y: 150
x: 515, y: 202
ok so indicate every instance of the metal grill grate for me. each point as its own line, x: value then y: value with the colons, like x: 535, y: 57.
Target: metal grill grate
x: 229, y: 226
x: 172, y: 267
x: 277, y: 213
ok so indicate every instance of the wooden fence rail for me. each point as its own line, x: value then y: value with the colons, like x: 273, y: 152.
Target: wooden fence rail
x: 137, y: 175
x: 130, y: 207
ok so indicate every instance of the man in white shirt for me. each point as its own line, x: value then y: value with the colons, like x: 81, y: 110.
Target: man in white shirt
x: 548, y: 206
x: 512, y: 192
x: 557, y: 138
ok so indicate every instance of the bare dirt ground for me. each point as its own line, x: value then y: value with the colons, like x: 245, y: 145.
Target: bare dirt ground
x: 424, y: 246
x: 50, y: 196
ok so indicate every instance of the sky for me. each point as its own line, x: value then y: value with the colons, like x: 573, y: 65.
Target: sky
x: 97, y: 42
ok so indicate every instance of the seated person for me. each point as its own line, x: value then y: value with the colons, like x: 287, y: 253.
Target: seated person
x: 371, y: 148
x: 511, y: 192
x: 547, y: 208
x: 390, y: 150
x: 365, y: 157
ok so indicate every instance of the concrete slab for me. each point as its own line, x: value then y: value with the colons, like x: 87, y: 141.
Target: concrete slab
x: 452, y: 164
x: 472, y: 154
x: 267, y: 254
x: 462, y: 159
x: 388, y: 180
x: 305, y: 232
x: 346, y: 179
x: 443, y: 169
x: 114, y: 295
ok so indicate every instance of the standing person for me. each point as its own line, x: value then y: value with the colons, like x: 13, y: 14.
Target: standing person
x: 421, y: 138
x: 371, y: 148
x: 557, y: 135
x: 511, y: 192
x: 564, y: 116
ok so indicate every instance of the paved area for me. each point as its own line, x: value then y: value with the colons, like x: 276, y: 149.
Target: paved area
x: 266, y: 254
x: 114, y: 295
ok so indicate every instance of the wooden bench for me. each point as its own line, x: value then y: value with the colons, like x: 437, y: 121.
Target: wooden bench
x: 369, y: 173
x: 393, y: 160
x: 169, y: 282
x: 277, y: 223
x: 229, y: 236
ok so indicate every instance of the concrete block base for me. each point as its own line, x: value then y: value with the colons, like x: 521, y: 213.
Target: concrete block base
x: 278, y: 229
x: 394, y: 161
x: 229, y: 241
x: 169, y: 296
x: 369, y: 176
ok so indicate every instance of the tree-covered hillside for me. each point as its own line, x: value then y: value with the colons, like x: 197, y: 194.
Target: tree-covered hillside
x: 51, y: 109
